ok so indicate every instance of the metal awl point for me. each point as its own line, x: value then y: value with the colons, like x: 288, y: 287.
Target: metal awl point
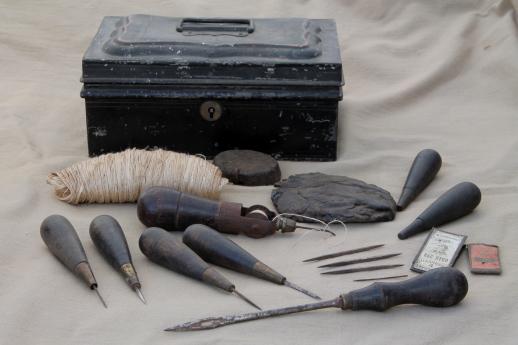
x: 100, y: 297
x: 298, y: 288
x: 140, y: 295
x: 240, y: 295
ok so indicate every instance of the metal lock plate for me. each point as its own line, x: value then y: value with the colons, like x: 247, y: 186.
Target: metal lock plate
x: 210, y: 110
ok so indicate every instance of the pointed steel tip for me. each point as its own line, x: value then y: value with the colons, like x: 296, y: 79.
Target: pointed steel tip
x: 100, y: 297
x: 246, y: 299
x: 301, y: 289
x: 140, y: 295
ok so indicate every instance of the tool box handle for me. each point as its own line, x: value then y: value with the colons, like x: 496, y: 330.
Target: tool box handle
x: 215, y: 26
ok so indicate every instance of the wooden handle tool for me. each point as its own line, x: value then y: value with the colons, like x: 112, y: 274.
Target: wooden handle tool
x: 163, y: 248
x: 441, y: 287
x: 108, y: 237
x: 62, y: 240
x: 215, y: 248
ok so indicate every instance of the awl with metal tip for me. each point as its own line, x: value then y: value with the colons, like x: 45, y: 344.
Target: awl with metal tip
x: 164, y: 249
x: 61, y: 238
x: 424, y: 168
x: 108, y: 237
x: 215, y: 248
x: 357, y: 261
x: 441, y: 287
x: 455, y: 203
x: 342, y: 253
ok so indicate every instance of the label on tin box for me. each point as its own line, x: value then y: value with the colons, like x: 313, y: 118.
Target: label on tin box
x: 441, y: 249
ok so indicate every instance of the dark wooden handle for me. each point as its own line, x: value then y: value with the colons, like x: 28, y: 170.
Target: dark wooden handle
x: 441, y: 287
x: 164, y: 249
x: 456, y: 202
x: 61, y: 238
x: 215, y: 248
x: 108, y: 237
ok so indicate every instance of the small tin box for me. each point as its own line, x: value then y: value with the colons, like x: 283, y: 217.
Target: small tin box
x: 201, y: 85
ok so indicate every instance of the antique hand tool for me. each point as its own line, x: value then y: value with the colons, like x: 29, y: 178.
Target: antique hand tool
x: 363, y: 269
x: 61, y: 238
x: 441, y: 287
x: 357, y: 261
x: 424, y: 168
x: 162, y: 248
x: 342, y: 253
x: 456, y: 202
x: 169, y: 209
x: 108, y: 237
x: 215, y: 248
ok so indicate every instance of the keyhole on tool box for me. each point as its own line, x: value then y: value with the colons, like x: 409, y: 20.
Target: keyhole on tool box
x: 210, y: 110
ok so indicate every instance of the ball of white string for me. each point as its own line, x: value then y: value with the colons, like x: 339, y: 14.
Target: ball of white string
x: 122, y: 177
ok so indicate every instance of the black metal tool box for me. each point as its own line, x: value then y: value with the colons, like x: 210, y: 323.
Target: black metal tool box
x: 200, y: 85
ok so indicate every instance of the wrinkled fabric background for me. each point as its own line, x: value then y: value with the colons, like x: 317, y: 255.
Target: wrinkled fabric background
x: 419, y: 74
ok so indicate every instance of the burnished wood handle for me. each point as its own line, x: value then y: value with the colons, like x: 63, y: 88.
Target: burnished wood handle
x: 440, y: 287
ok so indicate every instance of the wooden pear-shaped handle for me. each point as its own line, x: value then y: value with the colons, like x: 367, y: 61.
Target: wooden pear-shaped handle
x: 440, y: 287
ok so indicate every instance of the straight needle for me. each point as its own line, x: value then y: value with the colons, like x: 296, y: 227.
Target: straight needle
x: 363, y: 269
x: 345, y: 252
x: 357, y: 261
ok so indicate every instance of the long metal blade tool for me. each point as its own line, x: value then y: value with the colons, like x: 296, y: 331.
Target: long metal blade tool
x: 217, y: 249
x: 441, y: 287
x: 357, y: 261
x: 345, y: 252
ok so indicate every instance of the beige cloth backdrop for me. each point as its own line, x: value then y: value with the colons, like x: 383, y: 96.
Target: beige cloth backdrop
x: 419, y: 74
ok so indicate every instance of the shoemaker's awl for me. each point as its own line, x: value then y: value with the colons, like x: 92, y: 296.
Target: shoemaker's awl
x: 215, y: 248
x: 164, y: 249
x: 62, y: 240
x: 108, y: 237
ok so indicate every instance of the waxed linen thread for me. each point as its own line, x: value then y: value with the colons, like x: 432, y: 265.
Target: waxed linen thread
x: 122, y: 177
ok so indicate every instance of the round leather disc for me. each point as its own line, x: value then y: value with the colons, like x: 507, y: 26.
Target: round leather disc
x: 248, y: 168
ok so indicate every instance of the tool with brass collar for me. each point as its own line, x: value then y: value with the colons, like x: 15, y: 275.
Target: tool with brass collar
x: 108, y: 237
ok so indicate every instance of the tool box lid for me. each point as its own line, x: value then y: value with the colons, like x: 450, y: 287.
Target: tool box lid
x: 144, y: 49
